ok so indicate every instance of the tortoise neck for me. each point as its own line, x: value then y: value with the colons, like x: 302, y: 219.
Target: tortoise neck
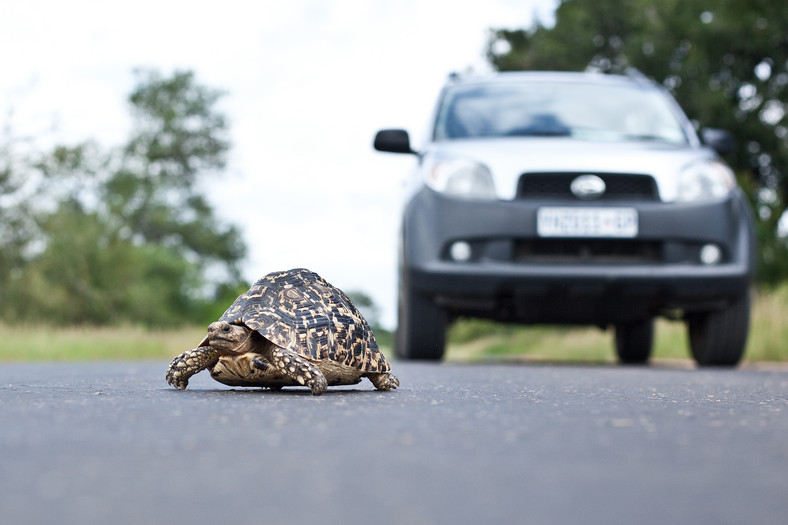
x: 247, y: 343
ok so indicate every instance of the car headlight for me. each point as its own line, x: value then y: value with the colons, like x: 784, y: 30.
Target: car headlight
x: 460, y: 178
x: 705, y: 180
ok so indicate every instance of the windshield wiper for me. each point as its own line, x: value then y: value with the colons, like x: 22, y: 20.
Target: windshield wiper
x: 536, y: 132
x: 646, y: 138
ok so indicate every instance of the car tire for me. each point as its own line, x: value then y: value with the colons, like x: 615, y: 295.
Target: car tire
x: 719, y: 338
x: 421, y: 326
x: 634, y: 341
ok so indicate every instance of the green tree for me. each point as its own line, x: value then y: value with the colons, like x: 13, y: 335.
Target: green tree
x: 725, y: 62
x: 125, y: 235
x: 16, y: 229
x: 179, y: 137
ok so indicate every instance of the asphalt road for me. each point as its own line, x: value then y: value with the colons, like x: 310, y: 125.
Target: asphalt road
x: 113, y: 443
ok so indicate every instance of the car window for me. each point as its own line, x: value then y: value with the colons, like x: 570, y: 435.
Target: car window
x: 579, y: 110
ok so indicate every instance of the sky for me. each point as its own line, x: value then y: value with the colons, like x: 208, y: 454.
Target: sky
x: 307, y: 83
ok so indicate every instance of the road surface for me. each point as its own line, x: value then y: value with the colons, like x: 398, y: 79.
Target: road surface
x: 535, y: 444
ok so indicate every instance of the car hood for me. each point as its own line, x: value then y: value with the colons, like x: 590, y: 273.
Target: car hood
x: 508, y: 158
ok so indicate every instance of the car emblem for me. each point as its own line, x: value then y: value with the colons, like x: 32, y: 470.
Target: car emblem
x: 587, y: 187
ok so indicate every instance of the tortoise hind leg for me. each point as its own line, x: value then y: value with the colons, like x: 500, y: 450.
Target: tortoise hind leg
x: 189, y: 363
x: 384, y: 381
x: 296, y: 367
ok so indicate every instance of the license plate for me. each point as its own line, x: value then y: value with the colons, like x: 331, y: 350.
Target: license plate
x: 586, y: 222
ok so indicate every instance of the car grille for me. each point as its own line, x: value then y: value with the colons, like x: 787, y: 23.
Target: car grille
x: 603, y: 251
x: 557, y: 186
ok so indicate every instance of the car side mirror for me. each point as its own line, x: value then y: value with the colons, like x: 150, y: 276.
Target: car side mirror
x: 393, y: 141
x: 720, y: 140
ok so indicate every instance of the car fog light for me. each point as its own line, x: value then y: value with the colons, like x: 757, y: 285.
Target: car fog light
x: 460, y: 251
x: 710, y: 254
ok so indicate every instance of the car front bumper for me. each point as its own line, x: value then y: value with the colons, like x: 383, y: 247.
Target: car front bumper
x: 511, y: 274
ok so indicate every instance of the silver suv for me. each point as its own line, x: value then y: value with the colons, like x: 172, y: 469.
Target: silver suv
x: 572, y: 198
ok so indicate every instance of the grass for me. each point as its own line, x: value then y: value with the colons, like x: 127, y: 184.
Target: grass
x: 549, y: 343
x: 469, y: 340
x: 35, y: 343
x: 477, y: 340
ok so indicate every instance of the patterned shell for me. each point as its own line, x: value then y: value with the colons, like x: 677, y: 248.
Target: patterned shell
x: 298, y: 309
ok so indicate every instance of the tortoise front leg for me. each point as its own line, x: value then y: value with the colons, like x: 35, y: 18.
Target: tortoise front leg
x: 296, y: 367
x: 189, y: 363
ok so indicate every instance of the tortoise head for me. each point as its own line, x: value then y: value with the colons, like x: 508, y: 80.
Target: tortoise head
x: 226, y: 337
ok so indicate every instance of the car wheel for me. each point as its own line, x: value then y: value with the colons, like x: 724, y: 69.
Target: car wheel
x: 634, y: 341
x: 421, y: 326
x: 719, y: 338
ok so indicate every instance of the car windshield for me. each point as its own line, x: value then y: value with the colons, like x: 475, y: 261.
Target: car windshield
x: 591, y: 111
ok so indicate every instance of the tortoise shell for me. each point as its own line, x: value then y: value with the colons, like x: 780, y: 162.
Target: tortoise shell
x: 299, y: 310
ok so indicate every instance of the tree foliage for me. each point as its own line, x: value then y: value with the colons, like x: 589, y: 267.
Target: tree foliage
x: 725, y: 62
x: 15, y: 224
x: 124, y: 235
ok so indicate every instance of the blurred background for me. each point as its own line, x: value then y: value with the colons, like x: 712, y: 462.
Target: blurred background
x: 303, y: 87
x: 157, y: 157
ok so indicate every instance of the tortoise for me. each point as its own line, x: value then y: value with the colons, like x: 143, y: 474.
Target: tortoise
x: 290, y: 328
